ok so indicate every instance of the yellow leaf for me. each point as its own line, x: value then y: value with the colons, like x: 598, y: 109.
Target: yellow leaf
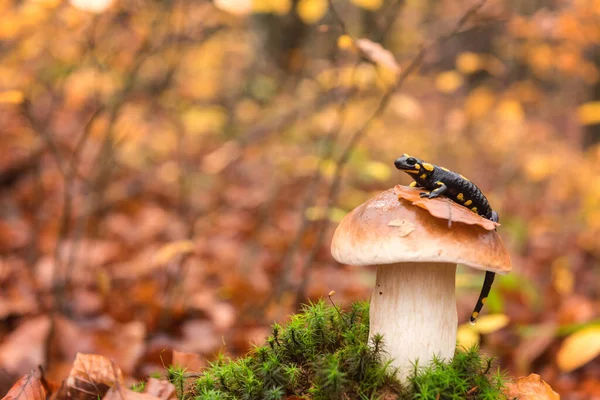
x: 328, y: 168
x: 378, y: 170
x: 589, y: 113
x: 467, y: 336
x: 11, y: 97
x: 281, y: 7
x: 579, y: 348
x: 311, y: 11
x: 540, y: 166
x: 235, y: 7
x: 378, y: 54
x: 368, y: 4
x: 479, y: 103
x: 337, y: 214
x: 448, y: 81
x: 490, y: 323
x: 468, y: 62
x: 345, y: 42
x: 170, y: 250
x: 94, y: 6
x: 315, y: 213
x: 203, y: 120
x: 562, y: 276
x: 510, y: 110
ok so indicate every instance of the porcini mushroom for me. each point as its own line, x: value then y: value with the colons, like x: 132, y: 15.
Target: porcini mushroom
x: 413, y: 304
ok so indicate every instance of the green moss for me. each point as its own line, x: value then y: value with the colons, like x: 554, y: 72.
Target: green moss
x: 325, y: 354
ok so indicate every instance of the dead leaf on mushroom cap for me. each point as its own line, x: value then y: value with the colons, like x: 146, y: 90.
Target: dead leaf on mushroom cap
x: 444, y: 208
x: 530, y: 387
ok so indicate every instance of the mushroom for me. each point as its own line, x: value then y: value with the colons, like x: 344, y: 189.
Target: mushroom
x: 414, y: 304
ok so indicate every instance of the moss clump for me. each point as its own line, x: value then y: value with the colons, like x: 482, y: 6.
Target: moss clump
x: 325, y: 354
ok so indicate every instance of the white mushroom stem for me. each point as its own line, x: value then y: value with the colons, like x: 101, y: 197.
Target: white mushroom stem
x: 414, y: 307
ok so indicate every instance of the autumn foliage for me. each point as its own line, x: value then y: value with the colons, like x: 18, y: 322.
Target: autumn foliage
x: 171, y: 171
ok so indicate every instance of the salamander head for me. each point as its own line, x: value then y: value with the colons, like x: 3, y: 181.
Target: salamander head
x: 412, y: 165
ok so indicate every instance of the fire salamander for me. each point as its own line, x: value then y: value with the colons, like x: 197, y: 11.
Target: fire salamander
x: 441, y: 181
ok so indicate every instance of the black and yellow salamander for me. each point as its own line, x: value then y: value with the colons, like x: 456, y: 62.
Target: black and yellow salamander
x: 441, y: 181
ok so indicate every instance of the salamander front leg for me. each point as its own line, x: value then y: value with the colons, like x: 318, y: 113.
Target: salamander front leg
x: 441, y: 189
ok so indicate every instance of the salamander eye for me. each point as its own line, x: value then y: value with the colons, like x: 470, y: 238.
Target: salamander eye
x: 411, y: 161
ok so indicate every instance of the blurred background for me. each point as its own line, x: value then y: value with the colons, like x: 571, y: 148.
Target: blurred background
x: 171, y: 171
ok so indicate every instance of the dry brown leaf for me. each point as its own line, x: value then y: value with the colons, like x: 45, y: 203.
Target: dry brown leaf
x: 378, y: 54
x: 444, y: 208
x: 25, y: 347
x: 121, y: 393
x: 167, y: 252
x: 579, y: 348
x: 91, y: 377
x: 530, y: 387
x: 162, y: 389
x: 29, y: 387
x: 192, y: 362
x: 123, y: 343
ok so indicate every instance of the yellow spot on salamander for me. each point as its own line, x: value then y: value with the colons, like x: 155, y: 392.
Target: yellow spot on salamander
x: 445, y: 169
x: 417, y: 166
x: 460, y: 197
x: 463, y: 177
x: 439, y: 183
x: 483, y: 300
x: 475, y: 315
x: 474, y: 209
x: 413, y: 184
x: 411, y: 171
x: 423, y: 176
x: 428, y: 166
x: 468, y: 203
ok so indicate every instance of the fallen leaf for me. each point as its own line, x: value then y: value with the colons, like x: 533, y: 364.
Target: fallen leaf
x: 91, y: 377
x: 531, y: 387
x: 29, y: 387
x: 579, y: 348
x: 444, y: 208
x: 467, y: 336
x: 123, y: 343
x: 170, y: 250
x: 121, y: 393
x: 378, y: 54
x: 25, y: 347
x: 487, y: 324
x: 192, y: 362
x: 161, y: 389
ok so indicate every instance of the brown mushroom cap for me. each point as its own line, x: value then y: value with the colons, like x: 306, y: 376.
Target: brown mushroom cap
x: 386, y: 230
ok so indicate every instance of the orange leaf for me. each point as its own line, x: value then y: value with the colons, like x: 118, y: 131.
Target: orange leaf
x: 162, y: 389
x: 192, y: 362
x: 531, y: 387
x: 29, y: 387
x: 444, y: 208
x: 91, y: 377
